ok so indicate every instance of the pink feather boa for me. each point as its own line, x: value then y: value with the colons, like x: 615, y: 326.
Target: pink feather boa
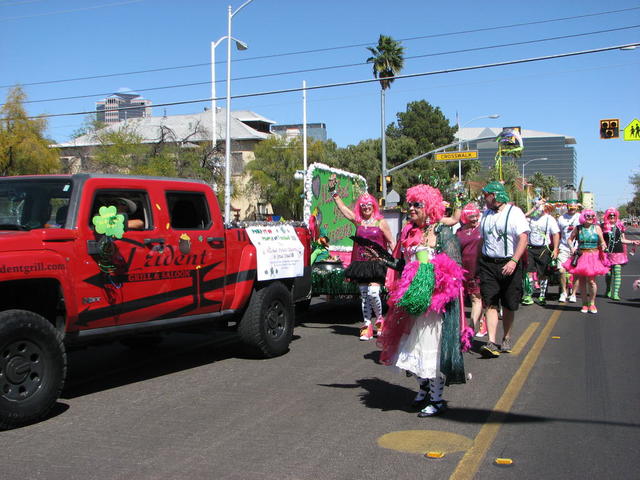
x: 449, y: 279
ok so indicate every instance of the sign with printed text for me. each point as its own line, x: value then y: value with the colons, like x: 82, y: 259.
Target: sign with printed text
x: 449, y: 156
x: 280, y: 254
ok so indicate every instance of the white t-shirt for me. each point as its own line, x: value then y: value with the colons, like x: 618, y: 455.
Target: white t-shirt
x: 496, y: 242
x: 567, y: 223
x: 541, y: 229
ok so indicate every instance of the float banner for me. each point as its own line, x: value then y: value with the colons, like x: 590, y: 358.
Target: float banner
x: 320, y: 205
x: 280, y: 253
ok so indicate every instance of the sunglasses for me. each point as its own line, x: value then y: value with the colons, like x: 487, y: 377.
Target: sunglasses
x: 589, y: 217
x: 415, y: 205
x: 368, y: 204
x: 612, y: 216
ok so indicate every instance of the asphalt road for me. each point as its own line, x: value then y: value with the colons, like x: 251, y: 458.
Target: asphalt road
x: 564, y: 406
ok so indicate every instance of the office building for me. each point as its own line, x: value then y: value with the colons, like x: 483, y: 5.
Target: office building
x: 560, y: 154
x: 122, y: 106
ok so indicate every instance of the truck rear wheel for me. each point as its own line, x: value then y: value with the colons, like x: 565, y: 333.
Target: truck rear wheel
x: 267, y: 324
x: 32, y: 367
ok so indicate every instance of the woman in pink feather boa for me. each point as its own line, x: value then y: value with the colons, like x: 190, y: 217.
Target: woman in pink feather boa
x: 422, y: 329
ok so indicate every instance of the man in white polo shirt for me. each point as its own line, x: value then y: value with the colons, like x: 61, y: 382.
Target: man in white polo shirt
x: 543, y: 246
x: 504, y: 230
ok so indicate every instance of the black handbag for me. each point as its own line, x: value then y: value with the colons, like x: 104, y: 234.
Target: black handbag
x: 575, y: 257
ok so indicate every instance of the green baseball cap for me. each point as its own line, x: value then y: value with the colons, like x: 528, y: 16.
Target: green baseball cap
x: 498, y: 190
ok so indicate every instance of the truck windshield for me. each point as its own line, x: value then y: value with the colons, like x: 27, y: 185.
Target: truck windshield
x: 34, y: 203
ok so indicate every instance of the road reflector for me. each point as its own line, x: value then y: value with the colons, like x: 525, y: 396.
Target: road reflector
x: 555, y: 337
x: 503, y: 461
x: 434, y: 454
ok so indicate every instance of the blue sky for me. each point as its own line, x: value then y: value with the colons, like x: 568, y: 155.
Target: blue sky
x: 49, y: 40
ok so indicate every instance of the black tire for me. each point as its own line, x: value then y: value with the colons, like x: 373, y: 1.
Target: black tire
x: 33, y: 365
x: 267, y: 323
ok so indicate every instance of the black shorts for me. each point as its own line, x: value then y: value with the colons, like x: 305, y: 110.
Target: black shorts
x: 497, y: 289
x: 539, y: 259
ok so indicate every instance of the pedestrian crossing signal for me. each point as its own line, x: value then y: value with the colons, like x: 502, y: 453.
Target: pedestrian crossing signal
x: 610, y: 128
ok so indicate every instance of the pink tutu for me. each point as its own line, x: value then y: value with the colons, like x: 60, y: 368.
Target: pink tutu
x: 617, y: 258
x: 589, y: 265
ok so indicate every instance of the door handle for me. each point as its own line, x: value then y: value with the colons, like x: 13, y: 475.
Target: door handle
x: 149, y: 242
x: 215, y: 242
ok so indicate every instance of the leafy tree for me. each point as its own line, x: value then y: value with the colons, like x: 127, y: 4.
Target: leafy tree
x: 387, y: 59
x: 23, y: 147
x: 272, y: 172
x: 546, y: 182
x: 90, y: 124
x: 633, y: 207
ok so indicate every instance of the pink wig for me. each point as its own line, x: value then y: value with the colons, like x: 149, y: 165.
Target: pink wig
x: 587, y: 212
x: 606, y: 225
x: 469, y: 209
x: 434, y: 209
x: 431, y: 198
x: 367, y: 198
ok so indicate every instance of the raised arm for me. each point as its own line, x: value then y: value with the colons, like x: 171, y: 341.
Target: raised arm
x: 453, y: 219
x: 346, y: 211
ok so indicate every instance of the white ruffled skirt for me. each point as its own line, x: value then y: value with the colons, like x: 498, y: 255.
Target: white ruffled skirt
x: 419, y: 351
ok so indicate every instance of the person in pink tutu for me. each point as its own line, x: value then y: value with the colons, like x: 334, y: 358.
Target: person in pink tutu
x: 423, y: 334
x: 587, y: 259
x: 369, y: 273
x: 613, y: 232
x: 470, y: 239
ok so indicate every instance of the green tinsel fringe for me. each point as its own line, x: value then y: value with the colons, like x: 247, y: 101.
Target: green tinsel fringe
x: 417, y: 298
x: 332, y: 282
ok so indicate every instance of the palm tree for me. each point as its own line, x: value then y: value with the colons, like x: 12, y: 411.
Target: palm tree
x: 387, y: 59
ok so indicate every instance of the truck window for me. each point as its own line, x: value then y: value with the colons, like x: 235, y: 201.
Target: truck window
x: 133, y: 204
x: 188, y: 211
x: 26, y: 204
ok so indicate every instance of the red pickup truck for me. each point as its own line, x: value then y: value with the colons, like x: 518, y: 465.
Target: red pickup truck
x: 64, y: 282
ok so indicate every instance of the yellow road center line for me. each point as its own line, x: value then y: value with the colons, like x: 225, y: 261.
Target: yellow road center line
x: 524, y: 338
x: 470, y: 462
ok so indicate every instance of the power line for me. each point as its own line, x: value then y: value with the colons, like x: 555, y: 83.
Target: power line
x: 84, y: 9
x: 331, y: 67
x: 301, y: 52
x: 359, y: 82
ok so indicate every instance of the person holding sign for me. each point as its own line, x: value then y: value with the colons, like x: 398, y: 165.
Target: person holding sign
x: 369, y: 273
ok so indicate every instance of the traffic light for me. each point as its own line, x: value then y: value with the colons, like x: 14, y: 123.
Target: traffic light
x: 379, y: 183
x: 389, y: 181
x: 610, y: 128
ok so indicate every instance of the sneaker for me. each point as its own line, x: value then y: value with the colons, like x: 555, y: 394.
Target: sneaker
x: 434, y: 408
x: 483, y: 328
x: 541, y: 301
x: 615, y: 297
x: 506, y: 345
x: 593, y: 309
x: 584, y: 309
x: 366, y: 332
x: 379, y: 326
x: 527, y: 300
x: 563, y: 298
x: 490, y: 350
x: 572, y: 298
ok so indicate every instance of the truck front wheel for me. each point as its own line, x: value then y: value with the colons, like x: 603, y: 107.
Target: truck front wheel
x: 32, y: 367
x: 267, y: 324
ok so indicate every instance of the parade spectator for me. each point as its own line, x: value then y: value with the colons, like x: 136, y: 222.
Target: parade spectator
x: 567, y: 223
x: 504, y: 230
x: 469, y: 237
x: 422, y: 331
x: 615, y: 239
x: 587, y: 259
x: 369, y: 273
x: 544, y: 238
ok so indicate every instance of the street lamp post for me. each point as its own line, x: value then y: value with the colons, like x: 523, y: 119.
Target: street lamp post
x: 493, y: 115
x: 227, y: 154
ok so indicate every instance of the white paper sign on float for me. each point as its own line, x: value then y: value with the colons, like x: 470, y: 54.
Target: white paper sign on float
x: 280, y: 254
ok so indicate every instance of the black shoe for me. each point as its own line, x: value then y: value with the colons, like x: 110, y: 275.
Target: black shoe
x: 434, y: 408
x: 490, y: 350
